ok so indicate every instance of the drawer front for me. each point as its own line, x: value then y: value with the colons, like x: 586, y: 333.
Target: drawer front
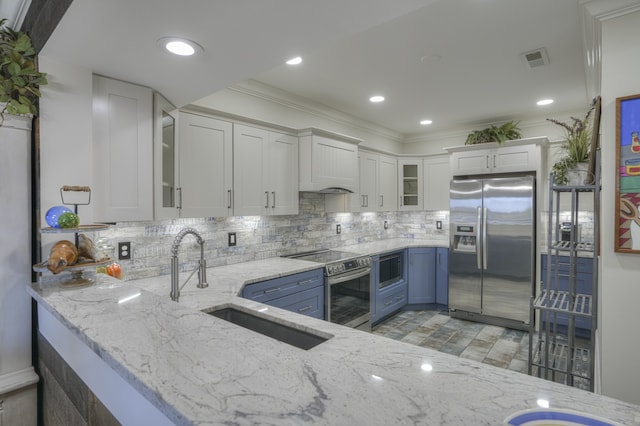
x: 584, y: 277
x: 391, y: 301
x: 584, y: 264
x: 308, y: 302
x: 279, y: 287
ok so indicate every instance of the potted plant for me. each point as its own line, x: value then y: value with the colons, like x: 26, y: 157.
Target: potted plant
x: 572, y: 166
x: 19, y: 76
x: 499, y: 134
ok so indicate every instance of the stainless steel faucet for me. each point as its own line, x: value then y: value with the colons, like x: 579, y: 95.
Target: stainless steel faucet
x: 202, y: 265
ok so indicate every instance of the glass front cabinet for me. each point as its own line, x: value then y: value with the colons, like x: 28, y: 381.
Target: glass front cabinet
x: 410, y: 184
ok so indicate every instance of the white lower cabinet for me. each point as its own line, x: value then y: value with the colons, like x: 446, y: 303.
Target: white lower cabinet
x: 265, y: 172
x: 123, y: 151
x: 205, y: 153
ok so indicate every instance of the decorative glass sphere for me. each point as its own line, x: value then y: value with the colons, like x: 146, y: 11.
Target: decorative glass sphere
x: 54, y: 213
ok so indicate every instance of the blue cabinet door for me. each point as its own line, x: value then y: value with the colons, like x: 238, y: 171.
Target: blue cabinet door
x: 442, y: 276
x: 421, y: 275
x: 584, y: 280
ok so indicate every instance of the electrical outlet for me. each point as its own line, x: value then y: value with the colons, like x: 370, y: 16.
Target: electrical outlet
x: 338, y: 229
x: 386, y: 225
x: 124, y: 250
x: 232, y: 239
x: 439, y: 225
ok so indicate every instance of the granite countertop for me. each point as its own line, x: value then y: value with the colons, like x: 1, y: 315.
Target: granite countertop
x: 198, y: 369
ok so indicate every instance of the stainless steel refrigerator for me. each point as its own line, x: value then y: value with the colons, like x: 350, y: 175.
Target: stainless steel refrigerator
x: 492, y: 230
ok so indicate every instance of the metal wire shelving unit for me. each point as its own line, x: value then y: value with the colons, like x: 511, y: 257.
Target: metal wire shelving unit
x: 556, y: 352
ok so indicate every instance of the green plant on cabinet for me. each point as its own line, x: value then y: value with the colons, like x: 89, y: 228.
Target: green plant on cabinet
x: 20, y: 79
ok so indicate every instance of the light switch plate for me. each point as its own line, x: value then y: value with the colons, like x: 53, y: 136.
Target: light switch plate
x: 232, y: 239
x: 439, y: 225
x: 338, y: 229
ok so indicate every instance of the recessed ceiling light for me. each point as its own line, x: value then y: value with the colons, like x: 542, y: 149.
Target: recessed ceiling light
x: 426, y: 122
x: 376, y: 99
x: 294, y: 61
x: 179, y: 46
x: 544, y: 102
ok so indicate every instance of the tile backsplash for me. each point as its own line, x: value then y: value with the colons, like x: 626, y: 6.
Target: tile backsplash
x: 262, y: 237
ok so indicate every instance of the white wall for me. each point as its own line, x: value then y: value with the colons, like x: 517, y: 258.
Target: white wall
x: 434, y: 144
x: 260, y: 102
x: 65, y: 135
x: 620, y: 284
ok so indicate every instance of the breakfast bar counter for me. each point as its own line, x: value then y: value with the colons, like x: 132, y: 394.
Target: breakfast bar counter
x: 188, y: 367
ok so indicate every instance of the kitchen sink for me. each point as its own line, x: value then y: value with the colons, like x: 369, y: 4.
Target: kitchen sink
x: 283, y: 333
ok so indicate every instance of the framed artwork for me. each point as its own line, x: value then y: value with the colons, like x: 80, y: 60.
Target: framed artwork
x: 627, y: 236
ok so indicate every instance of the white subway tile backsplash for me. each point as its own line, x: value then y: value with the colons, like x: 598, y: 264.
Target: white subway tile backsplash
x: 262, y: 237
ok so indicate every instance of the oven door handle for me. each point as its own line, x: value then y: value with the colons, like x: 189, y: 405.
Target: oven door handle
x: 344, y: 278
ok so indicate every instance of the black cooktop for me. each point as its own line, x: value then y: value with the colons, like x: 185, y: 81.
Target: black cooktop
x: 325, y: 256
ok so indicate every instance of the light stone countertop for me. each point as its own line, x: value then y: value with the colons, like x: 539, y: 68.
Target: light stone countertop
x: 198, y: 369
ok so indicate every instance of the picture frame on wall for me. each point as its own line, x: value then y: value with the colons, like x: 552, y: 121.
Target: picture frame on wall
x: 627, y: 235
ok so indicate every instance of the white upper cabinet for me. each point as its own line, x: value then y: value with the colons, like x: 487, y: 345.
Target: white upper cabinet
x: 367, y: 197
x: 410, y: 183
x: 282, y: 173
x: 205, y: 156
x: 387, y: 183
x: 265, y: 177
x: 251, y: 193
x: 437, y: 175
x: 378, y: 186
x: 165, y: 159
x: 522, y: 155
x: 328, y: 160
x: 123, y: 151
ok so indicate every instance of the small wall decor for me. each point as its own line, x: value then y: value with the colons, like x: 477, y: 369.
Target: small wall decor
x: 627, y: 236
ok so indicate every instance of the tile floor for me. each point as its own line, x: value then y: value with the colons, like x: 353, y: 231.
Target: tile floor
x: 498, y: 346
x: 490, y: 344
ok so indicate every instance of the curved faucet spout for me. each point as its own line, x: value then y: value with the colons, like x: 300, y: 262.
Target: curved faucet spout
x: 202, y: 265
x: 178, y: 239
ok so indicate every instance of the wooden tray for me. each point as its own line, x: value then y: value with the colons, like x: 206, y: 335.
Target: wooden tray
x: 42, y: 267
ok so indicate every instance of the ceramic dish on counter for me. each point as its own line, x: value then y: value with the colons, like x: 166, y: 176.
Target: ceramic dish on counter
x: 553, y: 417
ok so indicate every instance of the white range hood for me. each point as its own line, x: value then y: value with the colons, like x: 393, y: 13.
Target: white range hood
x: 328, y: 162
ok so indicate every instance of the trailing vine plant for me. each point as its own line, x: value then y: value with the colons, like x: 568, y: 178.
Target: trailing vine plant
x: 20, y: 79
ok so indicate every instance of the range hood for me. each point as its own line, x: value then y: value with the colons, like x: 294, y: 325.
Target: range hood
x: 332, y: 190
x: 328, y: 162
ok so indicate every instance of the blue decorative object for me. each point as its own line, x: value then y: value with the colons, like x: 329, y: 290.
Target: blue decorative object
x: 550, y: 416
x: 54, y: 213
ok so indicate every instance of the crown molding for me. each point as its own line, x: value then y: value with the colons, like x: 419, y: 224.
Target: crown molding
x: 462, y: 132
x: 603, y: 10
x: 592, y: 14
x: 281, y: 97
x: 14, y: 11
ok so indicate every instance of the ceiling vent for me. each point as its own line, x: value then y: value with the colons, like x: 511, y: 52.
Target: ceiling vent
x: 536, y: 58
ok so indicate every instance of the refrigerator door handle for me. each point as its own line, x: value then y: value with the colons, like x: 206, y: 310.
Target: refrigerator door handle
x: 485, y: 254
x: 478, y: 239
